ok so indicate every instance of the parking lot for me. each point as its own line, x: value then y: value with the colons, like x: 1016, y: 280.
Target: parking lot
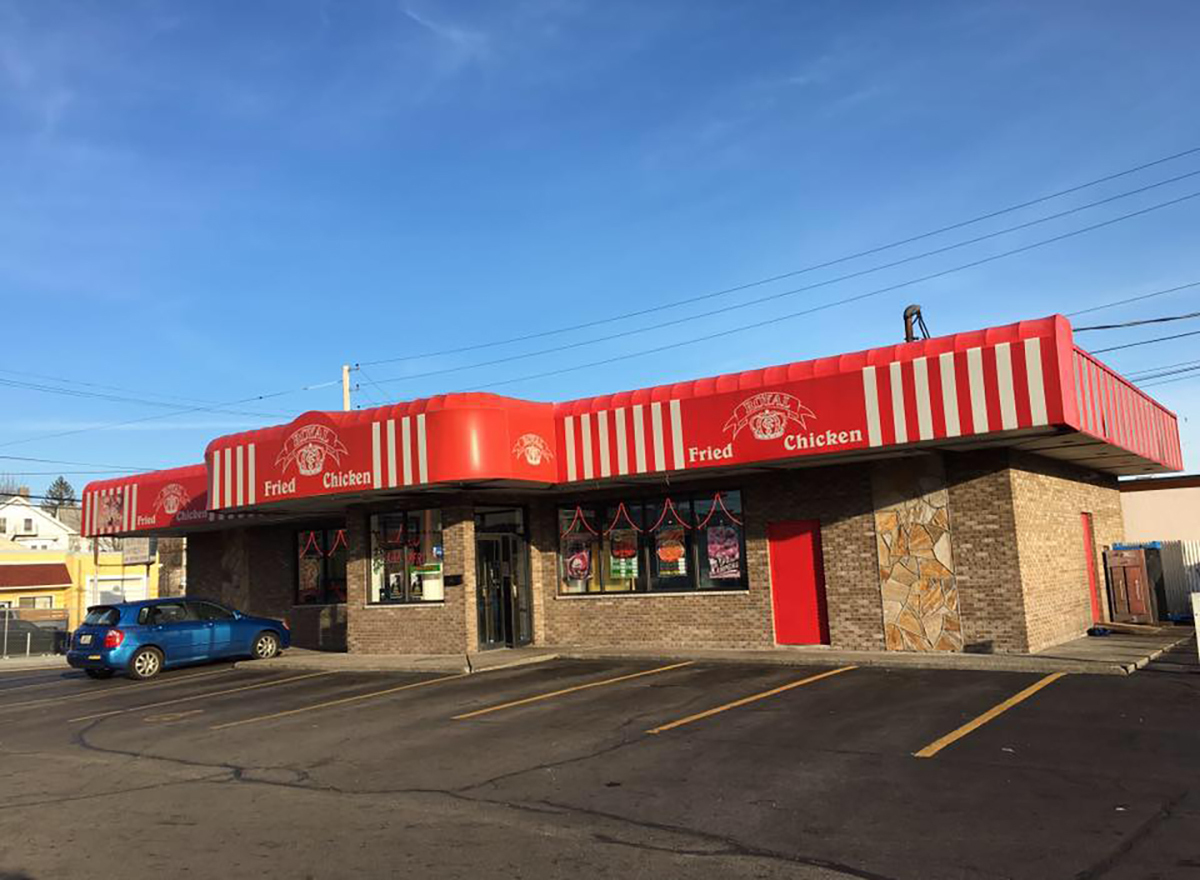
x: 588, y: 768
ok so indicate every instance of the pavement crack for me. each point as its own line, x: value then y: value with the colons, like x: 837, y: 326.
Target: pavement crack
x: 1126, y: 846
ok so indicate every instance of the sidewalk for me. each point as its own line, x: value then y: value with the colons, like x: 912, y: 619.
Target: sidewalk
x: 38, y: 661
x: 1116, y: 654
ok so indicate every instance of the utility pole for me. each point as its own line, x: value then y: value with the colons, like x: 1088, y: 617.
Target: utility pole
x: 346, y: 387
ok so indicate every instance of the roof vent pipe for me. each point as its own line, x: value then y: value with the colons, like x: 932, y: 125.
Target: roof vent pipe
x: 913, y: 314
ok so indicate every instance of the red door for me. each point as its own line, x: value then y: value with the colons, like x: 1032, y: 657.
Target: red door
x: 1089, y: 556
x: 798, y: 582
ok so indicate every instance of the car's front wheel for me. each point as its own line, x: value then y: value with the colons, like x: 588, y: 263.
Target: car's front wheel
x: 99, y: 673
x: 145, y: 663
x: 266, y: 646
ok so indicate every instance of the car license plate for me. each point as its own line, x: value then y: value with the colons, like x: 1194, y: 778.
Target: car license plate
x: 85, y: 639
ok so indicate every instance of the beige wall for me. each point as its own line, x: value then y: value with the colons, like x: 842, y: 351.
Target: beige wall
x: 1162, y: 515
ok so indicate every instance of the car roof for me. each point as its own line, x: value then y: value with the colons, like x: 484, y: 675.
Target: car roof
x: 141, y: 603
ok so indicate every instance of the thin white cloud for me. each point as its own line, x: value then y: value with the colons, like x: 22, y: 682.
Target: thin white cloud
x: 461, y: 46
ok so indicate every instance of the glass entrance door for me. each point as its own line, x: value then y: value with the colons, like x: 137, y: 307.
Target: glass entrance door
x: 502, y: 590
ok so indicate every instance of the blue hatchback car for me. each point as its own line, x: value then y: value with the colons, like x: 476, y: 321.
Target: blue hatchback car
x: 143, y: 638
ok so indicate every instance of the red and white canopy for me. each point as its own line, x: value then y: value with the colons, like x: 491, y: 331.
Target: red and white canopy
x: 1025, y: 385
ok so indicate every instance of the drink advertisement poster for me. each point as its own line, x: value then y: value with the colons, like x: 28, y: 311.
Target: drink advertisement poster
x: 578, y: 560
x: 672, y: 560
x: 724, y: 553
x: 623, y: 553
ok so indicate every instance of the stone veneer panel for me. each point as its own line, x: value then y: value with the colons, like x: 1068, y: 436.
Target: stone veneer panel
x: 915, y: 553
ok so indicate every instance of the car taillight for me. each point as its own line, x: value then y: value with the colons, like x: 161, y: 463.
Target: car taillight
x: 113, y: 638
x: 285, y: 625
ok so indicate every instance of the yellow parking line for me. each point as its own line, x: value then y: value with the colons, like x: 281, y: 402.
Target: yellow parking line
x: 338, y: 702
x: 953, y: 736
x: 204, y: 696
x: 754, y: 698
x: 570, y: 690
x: 101, y: 692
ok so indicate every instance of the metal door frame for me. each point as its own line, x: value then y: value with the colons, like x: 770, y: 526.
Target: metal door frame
x: 520, y: 577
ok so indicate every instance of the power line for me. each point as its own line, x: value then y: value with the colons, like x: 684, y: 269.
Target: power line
x: 1165, y: 373
x: 786, y: 293
x: 57, y: 473
x: 1142, y: 373
x: 140, y: 391
x: 169, y: 415
x: 1169, y: 381
x: 845, y: 300
x: 115, y: 467
x: 1145, y: 342
x: 1125, y: 324
x: 812, y: 268
x: 1131, y: 299
x: 74, y: 392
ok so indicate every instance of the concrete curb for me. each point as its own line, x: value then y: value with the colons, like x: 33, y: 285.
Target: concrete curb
x: 478, y: 663
x: 965, y: 662
x: 33, y: 664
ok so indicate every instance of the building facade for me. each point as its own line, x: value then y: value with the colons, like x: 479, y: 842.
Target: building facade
x: 952, y: 494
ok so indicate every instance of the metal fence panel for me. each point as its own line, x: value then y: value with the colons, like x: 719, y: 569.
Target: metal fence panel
x: 25, y: 632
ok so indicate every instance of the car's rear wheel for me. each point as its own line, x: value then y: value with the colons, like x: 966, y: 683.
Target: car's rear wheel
x: 145, y: 663
x: 266, y: 646
x: 99, y: 673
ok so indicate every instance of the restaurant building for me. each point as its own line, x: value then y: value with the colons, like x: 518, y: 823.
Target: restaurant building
x: 951, y: 494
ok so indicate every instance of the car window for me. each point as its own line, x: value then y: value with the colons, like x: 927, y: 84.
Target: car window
x: 167, y: 612
x: 102, y: 615
x: 209, y: 611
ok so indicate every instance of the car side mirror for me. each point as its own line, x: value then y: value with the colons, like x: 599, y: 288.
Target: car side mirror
x: 237, y: 615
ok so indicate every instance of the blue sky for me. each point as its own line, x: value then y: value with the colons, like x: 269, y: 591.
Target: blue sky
x: 213, y: 200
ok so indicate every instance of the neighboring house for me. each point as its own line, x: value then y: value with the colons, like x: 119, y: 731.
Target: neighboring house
x: 69, y: 583
x: 32, y: 528
x: 1161, y: 508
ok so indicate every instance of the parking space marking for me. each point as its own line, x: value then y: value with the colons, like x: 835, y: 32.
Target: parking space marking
x: 339, y: 702
x: 172, y: 716
x: 753, y: 698
x: 204, y: 696
x: 955, y: 735
x: 579, y: 687
x: 101, y: 692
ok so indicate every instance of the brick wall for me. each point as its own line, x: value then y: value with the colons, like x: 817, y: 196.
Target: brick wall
x: 839, y: 497
x: 986, y: 561
x: 1048, y: 498
x: 418, y: 628
x: 254, y: 570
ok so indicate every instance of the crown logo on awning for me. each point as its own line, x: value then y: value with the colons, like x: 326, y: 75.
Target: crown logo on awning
x: 532, y: 448
x: 767, y: 415
x: 308, y: 448
x: 172, y: 499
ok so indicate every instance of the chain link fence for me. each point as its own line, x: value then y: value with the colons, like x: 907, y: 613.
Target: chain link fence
x: 28, y: 632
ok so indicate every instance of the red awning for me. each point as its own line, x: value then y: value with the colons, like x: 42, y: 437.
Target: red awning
x: 452, y: 438
x: 33, y: 576
x: 146, y: 502
x: 1024, y: 385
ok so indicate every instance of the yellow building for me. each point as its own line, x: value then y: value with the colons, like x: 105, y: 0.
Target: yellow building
x: 58, y: 581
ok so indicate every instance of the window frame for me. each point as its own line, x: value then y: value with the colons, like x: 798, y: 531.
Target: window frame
x: 328, y: 592
x: 432, y: 555
x: 606, y: 516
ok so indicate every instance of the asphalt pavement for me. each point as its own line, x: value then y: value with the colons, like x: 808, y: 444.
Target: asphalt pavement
x: 603, y: 768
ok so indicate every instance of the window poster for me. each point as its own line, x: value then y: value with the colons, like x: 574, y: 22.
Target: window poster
x: 623, y: 553
x: 724, y: 553
x: 669, y: 548
x: 578, y: 559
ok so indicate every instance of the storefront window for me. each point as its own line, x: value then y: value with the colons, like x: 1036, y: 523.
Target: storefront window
x: 407, y: 557
x: 579, y: 546
x: 321, y: 571
x: 668, y: 544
